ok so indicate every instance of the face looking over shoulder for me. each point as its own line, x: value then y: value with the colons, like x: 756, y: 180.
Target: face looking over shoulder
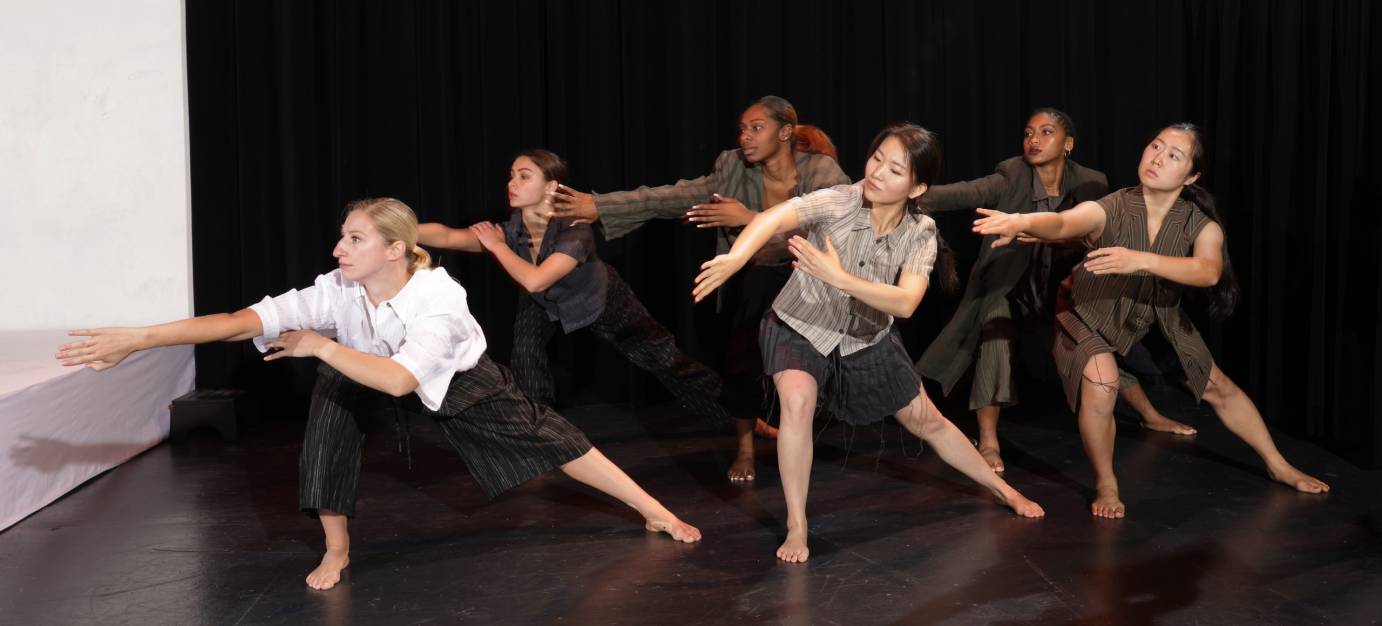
x: 760, y: 135
x: 528, y: 186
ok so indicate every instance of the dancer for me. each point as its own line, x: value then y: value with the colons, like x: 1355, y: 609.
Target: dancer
x: 1149, y: 243
x: 866, y: 259
x: 778, y: 158
x: 570, y: 288
x: 1010, y: 293
x: 401, y: 329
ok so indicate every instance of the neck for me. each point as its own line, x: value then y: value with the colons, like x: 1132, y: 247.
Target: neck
x: 1051, y: 175
x: 533, y: 219
x: 1158, y: 201
x: 885, y: 217
x: 385, y: 283
x: 780, y: 167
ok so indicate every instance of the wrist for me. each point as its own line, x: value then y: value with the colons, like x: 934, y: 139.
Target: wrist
x: 325, y: 349
x: 144, y: 339
x: 1148, y: 262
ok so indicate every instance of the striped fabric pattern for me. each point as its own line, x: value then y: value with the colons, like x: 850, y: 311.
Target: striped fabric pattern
x: 830, y: 318
x: 626, y: 325
x: 503, y: 437
x: 621, y: 212
x: 1112, y: 312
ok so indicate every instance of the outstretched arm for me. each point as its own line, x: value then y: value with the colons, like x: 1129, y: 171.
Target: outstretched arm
x: 1202, y: 269
x: 105, y: 347
x: 533, y: 278
x: 435, y: 235
x: 716, y: 271
x: 1084, y: 221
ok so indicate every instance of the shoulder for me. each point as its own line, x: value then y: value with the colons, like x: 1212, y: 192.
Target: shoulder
x: 729, y: 160
x: 1082, y: 174
x: 925, y: 226
x: 1087, y: 183
x: 852, y: 193
x: 567, y: 226
x: 333, y: 281
x: 816, y: 166
x: 1012, y: 168
x: 439, y: 287
x: 1120, y: 198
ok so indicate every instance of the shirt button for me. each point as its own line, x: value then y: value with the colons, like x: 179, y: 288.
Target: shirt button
x: 861, y: 264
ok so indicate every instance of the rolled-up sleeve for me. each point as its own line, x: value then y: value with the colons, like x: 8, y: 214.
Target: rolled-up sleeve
x: 429, y: 353
x: 923, y: 256
x: 310, y: 308
x: 825, y: 205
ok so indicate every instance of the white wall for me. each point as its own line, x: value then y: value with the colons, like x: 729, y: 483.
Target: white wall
x: 94, y: 190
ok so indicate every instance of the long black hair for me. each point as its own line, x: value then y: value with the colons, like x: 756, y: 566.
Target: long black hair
x: 924, y: 160
x: 1223, y: 296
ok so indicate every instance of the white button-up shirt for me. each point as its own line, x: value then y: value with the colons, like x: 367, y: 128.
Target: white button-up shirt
x: 427, y: 327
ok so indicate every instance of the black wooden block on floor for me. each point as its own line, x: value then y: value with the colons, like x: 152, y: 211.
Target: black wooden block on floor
x: 220, y: 409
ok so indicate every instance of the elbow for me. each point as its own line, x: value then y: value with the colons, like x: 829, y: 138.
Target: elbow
x: 402, y: 386
x: 535, y: 286
x: 1212, y: 276
x: 907, y: 309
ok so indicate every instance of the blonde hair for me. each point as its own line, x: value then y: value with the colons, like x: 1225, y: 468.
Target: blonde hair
x: 396, y: 222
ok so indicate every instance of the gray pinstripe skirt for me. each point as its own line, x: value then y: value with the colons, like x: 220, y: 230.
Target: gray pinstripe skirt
x: 861, y: 388
x: 504, y: 438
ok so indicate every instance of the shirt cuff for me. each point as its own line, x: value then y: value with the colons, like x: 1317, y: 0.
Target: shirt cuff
x: 427, y: 386
x: 268, y: 320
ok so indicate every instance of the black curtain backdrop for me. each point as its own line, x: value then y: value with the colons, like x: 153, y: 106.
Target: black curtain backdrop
x: 298, y: 107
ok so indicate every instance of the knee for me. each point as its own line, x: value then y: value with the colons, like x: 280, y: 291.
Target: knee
x: 924, y: 421
x: 797, y: 407
x: 1220, y: 390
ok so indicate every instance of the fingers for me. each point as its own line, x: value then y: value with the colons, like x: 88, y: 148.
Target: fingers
x: 706, y: 216
x: 705, y: 286
x: 989, y: 212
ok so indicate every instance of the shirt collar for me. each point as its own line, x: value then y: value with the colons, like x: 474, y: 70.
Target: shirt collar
x: 1039, y: 190
x: 407, y: 299
x: 861, y: 220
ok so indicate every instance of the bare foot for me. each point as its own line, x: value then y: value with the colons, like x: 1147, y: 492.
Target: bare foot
x: 990, y: 454
x: 1301, y: 481
x: 677, y: 529
x: 328, y: 573
x: 764, y: 429
x: 1106, y: 503
x: 742, y: 469
x: 794, y: 549
x: 1018, y: 502
x: 1162, y: 424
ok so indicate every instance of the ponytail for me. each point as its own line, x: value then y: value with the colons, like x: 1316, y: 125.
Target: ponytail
x: 808, y: 138
x: 418, y: 259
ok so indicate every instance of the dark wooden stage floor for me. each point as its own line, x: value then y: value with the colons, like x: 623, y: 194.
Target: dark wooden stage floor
x: 205, y: 532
